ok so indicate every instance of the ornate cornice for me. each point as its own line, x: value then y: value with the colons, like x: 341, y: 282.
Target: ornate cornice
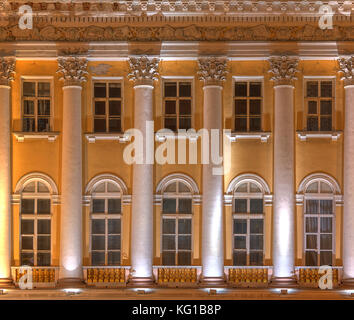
x: 143, y: 71
x: 283, y: 69
x: 7, y: 70
x: 212, y: 70
x: 73, y: 70
x: 346, y: 66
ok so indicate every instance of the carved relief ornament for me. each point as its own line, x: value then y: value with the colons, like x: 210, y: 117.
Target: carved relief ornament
x: 143, y: 71
x: 73, y: 70
x: 346, y: 66
x: 7, y: 70
x: 283, y: 69
x: 212, y: 70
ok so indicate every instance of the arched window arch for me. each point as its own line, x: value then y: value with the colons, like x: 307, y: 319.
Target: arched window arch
x: 176, y: 219
x: 36, y: 193
x: 319, y: 192
x: 106, y: 193
x: 248, y: 219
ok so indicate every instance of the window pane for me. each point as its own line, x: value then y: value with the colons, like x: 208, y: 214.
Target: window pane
x: 43, y: 89
x: 111, y: 187
x: 312, y: 88
x: 98, y: 226
x: 168, y: 258
x: 98, y: 205
x: 114, y: 258
x: 326, y: 88
x: 326, y: 123
x: 242, y: 188
x: 256, y: 258
x: 185, y: 89
x: 182, y: 187
x: 255, y: 107
x: 311, y: 241
x: 42, y: 188
x: 256, y: 242
x: 311, y: 258
x: 312, y: 188
x: 115, y: 125
x: 114, y: 108
x: 240, y: 258
x: 241, y: 89
x: 326, y: 107
x: 100, y: 90
x: 185, y: 123
x: 240, y: 124
x: 326, y: 241
x: 30, y: 187
x: 326, y: 258
x: 98, y: 243
x: 27, y: 243
x: 185, y: 205
x: 240, y: 107
x: 312, y: 123
x: 241, y: 205
x: 100, y: 125
x: 28, y: 107
x: 255, y: 89
x: 43, y: 242
x: 171, y: 123
x: 312, y: 107
x: 240, y: 226
x: 100, y: 108
x: 43, y: 259
x: 114, y: 226
x: 168, y: 226
x: 171, y: 187
x: 255, y: 124
x: 326, y: 225
x: 114, y: 90
x: 256, y: 205
x: 170, y: 89
x: 325, y: 188
x: 312, y: 206
x: 184, y: 258
x: 326, y: 206
x: 185, y: 107
x: 114, y: 242
x: 43, y: 125
x: 239, y: 242
x: 43, y: 206
x: 170, y: 107
x: 169, y: 205
x: 29, y: 89
x: 27, y: 226
x: 311, y: 225
x: 100, y: 187
x: 184, y: 242
x: 256, y: 226
x: 168, y: 242
x: 184, y: 226
x: 97, y: 258
x: 27, y: 259
x: 27, y: 206
x: 28, y: 125
x: 43, y: 226
x: 114, y: 206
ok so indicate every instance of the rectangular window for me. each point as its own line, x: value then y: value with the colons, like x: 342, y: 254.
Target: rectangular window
x: 36, y: 106
x: 177, y: 104
x: 319, y: 103
x: 107, y: 107
x: 248, y: 106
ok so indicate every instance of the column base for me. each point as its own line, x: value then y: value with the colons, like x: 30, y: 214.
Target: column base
x: 67, y: 283
x: 217, y: 282
x: 347, y: 283
x: 141, y: 282
x: 283, y: 282
x: 6, y: 283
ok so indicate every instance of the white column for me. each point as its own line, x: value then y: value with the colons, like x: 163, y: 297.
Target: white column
x: 6, y: 68
x: 347, y: 67
x: 71, y: 176
x: 143, y: 72
x: 284, y: 69
x: 212, y: 71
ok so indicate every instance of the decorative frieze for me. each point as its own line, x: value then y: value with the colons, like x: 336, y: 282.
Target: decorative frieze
x: 283, y: 69
x: 73, y: 70
x: 143, y: 70
x: 212, y: 70
x: 7, y: 70
x: 346, y: 66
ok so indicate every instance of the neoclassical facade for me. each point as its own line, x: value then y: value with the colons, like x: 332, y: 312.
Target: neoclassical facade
x: 87, y: 72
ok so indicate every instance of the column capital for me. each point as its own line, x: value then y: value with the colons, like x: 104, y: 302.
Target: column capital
x: 73, y: 70
x: 212, y: 70
x: 143, y: 70
x: 346, y: 66
x: 283, y: 69
x: 7, y: 70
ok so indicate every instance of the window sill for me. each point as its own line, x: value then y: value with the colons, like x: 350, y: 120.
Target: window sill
x: 121, y: 137
x: 261, y: 135
x: 162, y: 135
x: 333, y: 135
x: 22, y: 136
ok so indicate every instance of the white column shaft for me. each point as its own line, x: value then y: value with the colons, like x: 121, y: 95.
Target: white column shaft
x: 71, y: 200
x: 284, y: 205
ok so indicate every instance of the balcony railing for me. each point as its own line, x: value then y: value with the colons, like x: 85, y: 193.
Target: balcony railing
x: 177, y: 276
x: 106, y: 276
x: 248, y: 277
x: 309, y: 276
x: 42, y: 277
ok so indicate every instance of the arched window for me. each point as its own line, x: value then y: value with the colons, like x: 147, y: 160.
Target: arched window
x: 248, y: 223
x: 106, y: 223
x: 176, y: 223
x: 319, y: 222
x: 36, y: 191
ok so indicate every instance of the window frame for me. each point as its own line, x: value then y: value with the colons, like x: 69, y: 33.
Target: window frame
x: 51, y: 97
x: 247, y: 79
x: 305, y: 100
x: 107, y: 80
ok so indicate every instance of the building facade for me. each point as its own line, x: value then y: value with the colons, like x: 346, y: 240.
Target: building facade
x: 75, y: 81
